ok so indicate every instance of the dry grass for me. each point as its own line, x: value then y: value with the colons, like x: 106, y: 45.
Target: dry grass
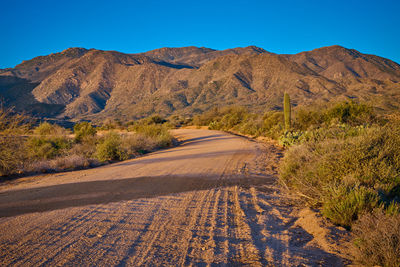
x: 71, y: 162
x: 138, y: 144
x: 377, y: 239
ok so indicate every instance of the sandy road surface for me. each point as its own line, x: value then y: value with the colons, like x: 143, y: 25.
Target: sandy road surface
x: 209, y: 202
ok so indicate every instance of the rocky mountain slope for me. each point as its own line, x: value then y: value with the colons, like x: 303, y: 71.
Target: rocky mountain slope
x: 92, y: 84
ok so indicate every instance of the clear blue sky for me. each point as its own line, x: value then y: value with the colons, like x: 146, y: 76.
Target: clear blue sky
x: 36, y: 27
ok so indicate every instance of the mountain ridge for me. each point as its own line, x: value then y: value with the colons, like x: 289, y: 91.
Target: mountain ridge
x: 80, y: 83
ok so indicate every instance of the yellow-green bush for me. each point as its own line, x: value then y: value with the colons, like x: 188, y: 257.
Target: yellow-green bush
x: 47, y: 147
x: 83, y: 130
x: 347, y: 112
x: 46, y: 128
x: 110, y: 148
x: 342, y: 204
x: 159, y: 133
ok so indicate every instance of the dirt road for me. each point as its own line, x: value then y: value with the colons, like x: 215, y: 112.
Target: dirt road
x: 208, y: 202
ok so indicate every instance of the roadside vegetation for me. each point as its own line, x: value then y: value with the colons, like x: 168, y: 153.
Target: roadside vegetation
x: 28, y: 149
x: 343, y: 159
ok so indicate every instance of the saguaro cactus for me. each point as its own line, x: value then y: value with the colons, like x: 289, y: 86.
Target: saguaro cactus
x: 287, y: 110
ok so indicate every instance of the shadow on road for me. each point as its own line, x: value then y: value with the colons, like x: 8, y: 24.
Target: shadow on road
x: 181, y: 157
x: 100, y: 192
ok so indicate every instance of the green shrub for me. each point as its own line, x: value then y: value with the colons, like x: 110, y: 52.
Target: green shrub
x: 207, y: 117
x: 159, y: 133
x: 177, y: 121
x: 110, y: 124
x: 83, y: 130
x: 343, y: 204
x: 47, y: 147
x: 46, y: 128
x: 151, y: 130
x: 351, y: 112
x: 348, y: 112
x: 307, y: 118
x: 155, y: 119
x: 110, y: 148
x: 273, y: 125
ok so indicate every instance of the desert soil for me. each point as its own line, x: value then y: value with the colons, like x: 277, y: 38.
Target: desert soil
x: 213, y: 200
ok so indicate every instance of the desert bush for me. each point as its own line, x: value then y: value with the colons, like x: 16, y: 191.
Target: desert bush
x: 349, y: 112
x: 46, y: 128
x: 159, y: 133
x: 138, y: 144
x: 72, y: 162
x: 86, y: 148
x: 207, y: 117
x: 239, y: 119
x: 12, y: 154
x: 12, y: 144
x: 253, y: 125
x: 176, y: 121
x: 151, y: 130
x: 377, y: 239
x: 47, y: 147
x: 13, y: 123
x: 110, y: 148
x: 83, y: 130
x: 273, y: 126
x: 342, y: 204
x: 231, y: 118
x: 155, y: 119
x: 110, y: 124
x: 307, y: 117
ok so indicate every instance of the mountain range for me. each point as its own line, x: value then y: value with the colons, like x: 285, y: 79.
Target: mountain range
x: 92, y: 84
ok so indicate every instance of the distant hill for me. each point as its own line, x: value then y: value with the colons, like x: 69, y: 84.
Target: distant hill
x: 92, y: 84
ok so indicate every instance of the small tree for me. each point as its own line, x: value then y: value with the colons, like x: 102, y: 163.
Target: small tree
x: 287, y: 111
